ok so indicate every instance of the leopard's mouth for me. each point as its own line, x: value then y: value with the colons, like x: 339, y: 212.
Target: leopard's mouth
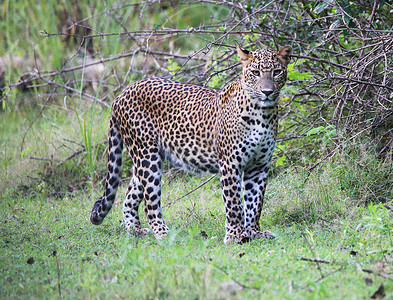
x: 269, y: 104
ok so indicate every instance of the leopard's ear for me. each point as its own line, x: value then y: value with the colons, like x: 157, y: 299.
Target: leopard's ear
x: 284, y: 55
x: 244, y: 56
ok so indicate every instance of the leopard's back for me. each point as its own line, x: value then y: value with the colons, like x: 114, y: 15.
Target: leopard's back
x: 179, y: 117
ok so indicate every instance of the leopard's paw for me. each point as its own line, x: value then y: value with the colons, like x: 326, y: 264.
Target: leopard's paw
x: 266, y: 234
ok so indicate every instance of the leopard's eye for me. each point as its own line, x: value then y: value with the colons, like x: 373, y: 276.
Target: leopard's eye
x: 277, y: 73
x: 255, y: 72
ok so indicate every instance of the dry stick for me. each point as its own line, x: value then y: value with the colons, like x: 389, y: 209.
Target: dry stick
x: 324, y: 276
x: 67, y: 158
x: 328, y: 274
x: 71, y: 156
x: 172, y: 174
x: 76, y: 52
x: 359, y: 29
x: 33, y: 177
x: 42, y: 75
x: 189, y: 192
x: 362, y: 82
x: 330, y: 154
x: 378, y: 274
x: 54, y: 254
x: 150, y: 33
x: 322, y: 61
x: 88, y: 96
x: 383, y: 250
x: 80, y: 151
x: 316, y: 260
x: 38, y: 158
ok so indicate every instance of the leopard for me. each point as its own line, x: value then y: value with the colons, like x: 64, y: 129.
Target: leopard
x: 231, y: 131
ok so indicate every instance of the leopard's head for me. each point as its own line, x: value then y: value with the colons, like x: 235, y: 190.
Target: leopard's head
x: 264, y: 73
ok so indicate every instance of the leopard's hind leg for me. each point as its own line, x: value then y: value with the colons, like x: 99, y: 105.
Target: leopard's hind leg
x: 131, y: 205
x: 145, y: 184
x: 150, y: 176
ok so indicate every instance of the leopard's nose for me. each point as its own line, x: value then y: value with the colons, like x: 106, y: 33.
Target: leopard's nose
x: 267, y: 93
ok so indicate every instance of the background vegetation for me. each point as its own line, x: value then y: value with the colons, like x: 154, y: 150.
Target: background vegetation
x: 330, y: 193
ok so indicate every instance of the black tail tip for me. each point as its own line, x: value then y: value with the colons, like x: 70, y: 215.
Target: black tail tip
x: 95, y: 217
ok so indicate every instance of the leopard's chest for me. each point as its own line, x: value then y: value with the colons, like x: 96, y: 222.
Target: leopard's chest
x: 257, y: 144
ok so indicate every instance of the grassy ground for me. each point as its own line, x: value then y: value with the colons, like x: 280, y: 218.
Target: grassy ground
x: 327, y: 247
x: 332, y: 241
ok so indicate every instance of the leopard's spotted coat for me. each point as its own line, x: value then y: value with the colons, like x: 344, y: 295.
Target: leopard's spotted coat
x: 231, y: 131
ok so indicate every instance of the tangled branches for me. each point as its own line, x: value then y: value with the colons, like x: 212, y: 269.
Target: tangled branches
x: 356, y: 88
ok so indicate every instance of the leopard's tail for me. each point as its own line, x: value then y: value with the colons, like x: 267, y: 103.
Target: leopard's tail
x: 104, y: 204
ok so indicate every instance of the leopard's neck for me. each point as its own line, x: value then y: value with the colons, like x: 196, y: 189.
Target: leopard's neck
x: 249, y: 109
x: 228, y: 91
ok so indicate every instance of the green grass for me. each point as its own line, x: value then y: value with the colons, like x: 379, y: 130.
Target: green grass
x: 49, y: 249
x: 74, y: 259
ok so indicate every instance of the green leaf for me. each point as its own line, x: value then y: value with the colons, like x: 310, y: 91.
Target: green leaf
x: 172, y: 66
x: 294, y: 74
x: 25, y: 152
x: 320, y: 7
x: 215, y: 82
x: 315, y: 130
x: 281, y: 160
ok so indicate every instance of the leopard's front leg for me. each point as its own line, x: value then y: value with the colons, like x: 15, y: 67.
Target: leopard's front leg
x: 231, y: 194
x: 254, y: 186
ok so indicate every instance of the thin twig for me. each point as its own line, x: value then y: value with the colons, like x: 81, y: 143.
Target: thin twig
x: 54, y: 254
x: 316, y: 260
x: 38, y: 158
x: 189, y: 192
x: 383, y: 275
